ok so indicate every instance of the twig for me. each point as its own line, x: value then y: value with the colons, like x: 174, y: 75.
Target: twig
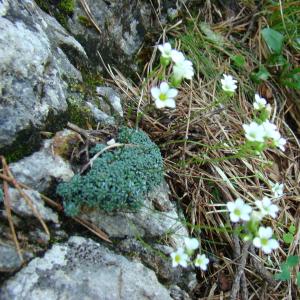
x: 244, y: 287
x: 81, y: 131
x: 89, y: 14
x: 261, y: 270
x: 237, y: 248
x: 25, y: 196
x: 236, y: 242
x: 91, y: 227
x: 9, y: 216
x: 97, y: 231
x: 90, y: 163
x: 236, y: 283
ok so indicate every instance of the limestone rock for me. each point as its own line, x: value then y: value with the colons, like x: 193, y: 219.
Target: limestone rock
x: 121, y: 36
x: 147, y: 222
x: 83, y: 269
x: 9, y: 258
x: 33, y: 64
x: 99, y: 115
x: 42, y: 168
x: 112, y: 97
x: 19, y: 205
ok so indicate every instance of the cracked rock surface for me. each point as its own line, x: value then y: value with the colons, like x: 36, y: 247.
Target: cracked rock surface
x: 83, y: 269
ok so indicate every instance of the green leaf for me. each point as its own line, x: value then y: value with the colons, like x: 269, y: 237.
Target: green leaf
x: 294, y: 85
x: 273, y: 39
x: 283, y: 276
x: 261, y: 75
x: 211, y: 35
x: 298, y: 279
x: 239, y: 60
x: 292, y: 229
x: 288, y: 238
x: 292, y: 261
x: 276, y: 60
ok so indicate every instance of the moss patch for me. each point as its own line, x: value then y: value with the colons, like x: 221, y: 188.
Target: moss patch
x: 79, y: 114
x: 27, y: 141
x: 85, y: 21
x: 61, y: 10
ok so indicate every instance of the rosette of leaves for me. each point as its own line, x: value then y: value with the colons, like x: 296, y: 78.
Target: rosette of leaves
x: 119, y: 179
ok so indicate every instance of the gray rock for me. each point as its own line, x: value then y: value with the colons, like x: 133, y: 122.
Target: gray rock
x: 41, y: 169
x: 20, y: 206
x: 122, y: 34
x: 112, y: 96
x: 99, y: 115
x: 32, y: 67
x: 154, y: 256
x: 83, y: 269
x: 178, y: 294
x: 9, y: 258
x: 147, y: 222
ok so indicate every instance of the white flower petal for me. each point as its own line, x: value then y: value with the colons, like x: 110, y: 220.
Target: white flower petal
x: 164, y: 87
x: 228, y: 83
x: 172, y: 93
x: 231, y: 206
x: 177, y: 56
x: 159, y: 103
x: 257, y: 242
x: 170, y: 103
x: 155, y: 92
x: 234, y: 218
x: 265, y: 232
x: 266, y: 249
x: 273, y: 244
x: 191, y: 243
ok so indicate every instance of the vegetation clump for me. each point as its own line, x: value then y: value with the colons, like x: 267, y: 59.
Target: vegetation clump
x: 118, y: 179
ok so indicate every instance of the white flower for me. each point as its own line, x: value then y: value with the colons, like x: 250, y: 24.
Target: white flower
x: 164, y: 96
x: 179, y: 258
x: 191, y: 244
x: 183, y: 69
x: 279, y: 141
x: 269, y: 108
x: 266, y: 207
x: 264, y: 240
x: 201, y: 261
x: 254, y: 132
x: 270, y: 129
x: 228, y: 83
x: 259, y: 103
x: 165, y: 50
x: 239, y: 210
x: 177, y: 56
x: 277, y: 189
x: 257, y: 215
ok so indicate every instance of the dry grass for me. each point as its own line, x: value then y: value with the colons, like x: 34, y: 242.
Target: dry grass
x: 200, y: 142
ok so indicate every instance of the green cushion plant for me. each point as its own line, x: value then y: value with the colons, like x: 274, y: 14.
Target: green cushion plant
x: 119, y: 179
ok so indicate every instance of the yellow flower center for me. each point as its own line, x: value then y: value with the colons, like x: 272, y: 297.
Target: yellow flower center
x: 237, y: 212
x: 163, y: 97
x: 264, y: 241
x: 177, y: 258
